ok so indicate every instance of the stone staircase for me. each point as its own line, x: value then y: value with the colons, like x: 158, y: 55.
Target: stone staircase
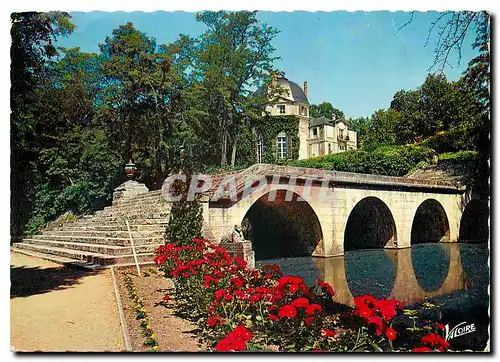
x: 102, y: 239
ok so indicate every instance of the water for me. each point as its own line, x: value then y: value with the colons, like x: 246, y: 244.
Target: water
x: 453, y: 276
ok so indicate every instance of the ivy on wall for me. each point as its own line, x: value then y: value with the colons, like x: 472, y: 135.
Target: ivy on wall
x: 268, y: 127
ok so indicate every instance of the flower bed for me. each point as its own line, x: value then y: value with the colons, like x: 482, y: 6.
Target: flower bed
x: 243, y: 309
x: 142, y: 316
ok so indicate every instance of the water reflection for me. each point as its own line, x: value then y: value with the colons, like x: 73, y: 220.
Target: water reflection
x: 452, y: 275
x: 410, y: 275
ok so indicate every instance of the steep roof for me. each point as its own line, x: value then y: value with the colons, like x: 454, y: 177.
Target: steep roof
x: 294, y: 91
x: 314, y: 122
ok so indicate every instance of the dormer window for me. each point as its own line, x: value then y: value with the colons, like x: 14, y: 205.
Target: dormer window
x: 281, y: 108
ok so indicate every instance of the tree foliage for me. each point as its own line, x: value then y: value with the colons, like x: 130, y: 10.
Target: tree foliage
x: 326, y: 110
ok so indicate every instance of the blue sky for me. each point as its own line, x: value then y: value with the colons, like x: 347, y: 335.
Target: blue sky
x: 354, y: 60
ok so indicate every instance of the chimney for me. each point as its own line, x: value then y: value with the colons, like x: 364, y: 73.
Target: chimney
x: 305, y: 88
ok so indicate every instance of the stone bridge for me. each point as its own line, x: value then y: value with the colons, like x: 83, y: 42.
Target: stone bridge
x: 324, y: 213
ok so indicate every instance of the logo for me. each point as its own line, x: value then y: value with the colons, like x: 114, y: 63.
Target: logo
x: 459, y: 330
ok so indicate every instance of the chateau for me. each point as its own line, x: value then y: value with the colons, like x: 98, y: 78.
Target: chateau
x: 316, y: 136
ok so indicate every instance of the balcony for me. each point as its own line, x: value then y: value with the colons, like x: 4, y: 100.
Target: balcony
x: 343, y: 138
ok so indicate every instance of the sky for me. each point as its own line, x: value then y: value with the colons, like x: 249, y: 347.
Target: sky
x: 354, y: 60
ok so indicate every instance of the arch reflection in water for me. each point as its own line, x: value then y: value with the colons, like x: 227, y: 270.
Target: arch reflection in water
x: 430, y: 264
x: 405, y: 285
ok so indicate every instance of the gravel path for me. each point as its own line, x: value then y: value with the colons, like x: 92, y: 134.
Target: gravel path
x: 54, y: 308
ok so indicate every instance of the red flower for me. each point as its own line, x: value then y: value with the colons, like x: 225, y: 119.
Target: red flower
x: 364, y: 311
x: 328, y: 332
x: 289, y: 280
x: 313, y: 308
x: 272, y: 317
x: 255, y: 298
x: 220, y: 293
x: 160, y: 260
x: 387, y: 308
x: 238, y: 282
x: 326, y: 286
x: 379, y: 325
x: 439, y: 325
x: 308, y: 320
x: 212, y: 321
x: 436, y: 341
x: 364, y: 300
x: 229, y: 344
x: 421, y: 349
x: 287, y: 311
x: 293, y: 288
x: 300, y: 302
x: 240, y: 332
x: 165, y: 298
x: 390, y: 334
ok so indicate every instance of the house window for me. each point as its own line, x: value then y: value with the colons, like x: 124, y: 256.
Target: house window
x: 341, y: 133
x: 281, y: 145
x: 260, y: 149
x: 282, y: 109
x: 342, y: 147
x: 329, y: 148
x: 315, y: 132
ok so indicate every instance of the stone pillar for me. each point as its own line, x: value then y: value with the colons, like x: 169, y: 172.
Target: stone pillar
x: 129, y: 189
x: 242, y: 250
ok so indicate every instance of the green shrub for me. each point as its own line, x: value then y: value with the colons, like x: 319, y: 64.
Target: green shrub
x: 383, y: 160
x: 186, y: 217
x: 460, y: 156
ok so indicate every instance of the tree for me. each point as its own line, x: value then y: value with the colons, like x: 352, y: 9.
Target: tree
x: 452, y: 28
x: 326, y: 110
x: 33, y: 37
x: 361, y: 126
x: 437, y: 106
x: 381, y: 128
x: 234, y: 55
x: 142, y: 100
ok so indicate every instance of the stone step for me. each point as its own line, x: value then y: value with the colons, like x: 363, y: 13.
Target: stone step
x: 94, y: 248
x: 134, y: 216
x: 54, y: 258
x: 109, y: 233
x: 149, y: 197
x: 113, y: 227
x: 133, y: 211
x: 118, y: 222
x: 99, y: 240
x: 87, y: 257
x: 156, y: 201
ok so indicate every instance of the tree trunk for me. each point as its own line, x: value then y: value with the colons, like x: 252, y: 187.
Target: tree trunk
x: 233, y: 154
x: 223, y: 161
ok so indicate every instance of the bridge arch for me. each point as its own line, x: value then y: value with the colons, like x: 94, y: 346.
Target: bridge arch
x: 474, y: 222
x: 430, y: 223
x: 370, y: 225
x: 281, y: 225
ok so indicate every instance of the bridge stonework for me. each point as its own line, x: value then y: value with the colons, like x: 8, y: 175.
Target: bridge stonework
x: 332, y: 196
